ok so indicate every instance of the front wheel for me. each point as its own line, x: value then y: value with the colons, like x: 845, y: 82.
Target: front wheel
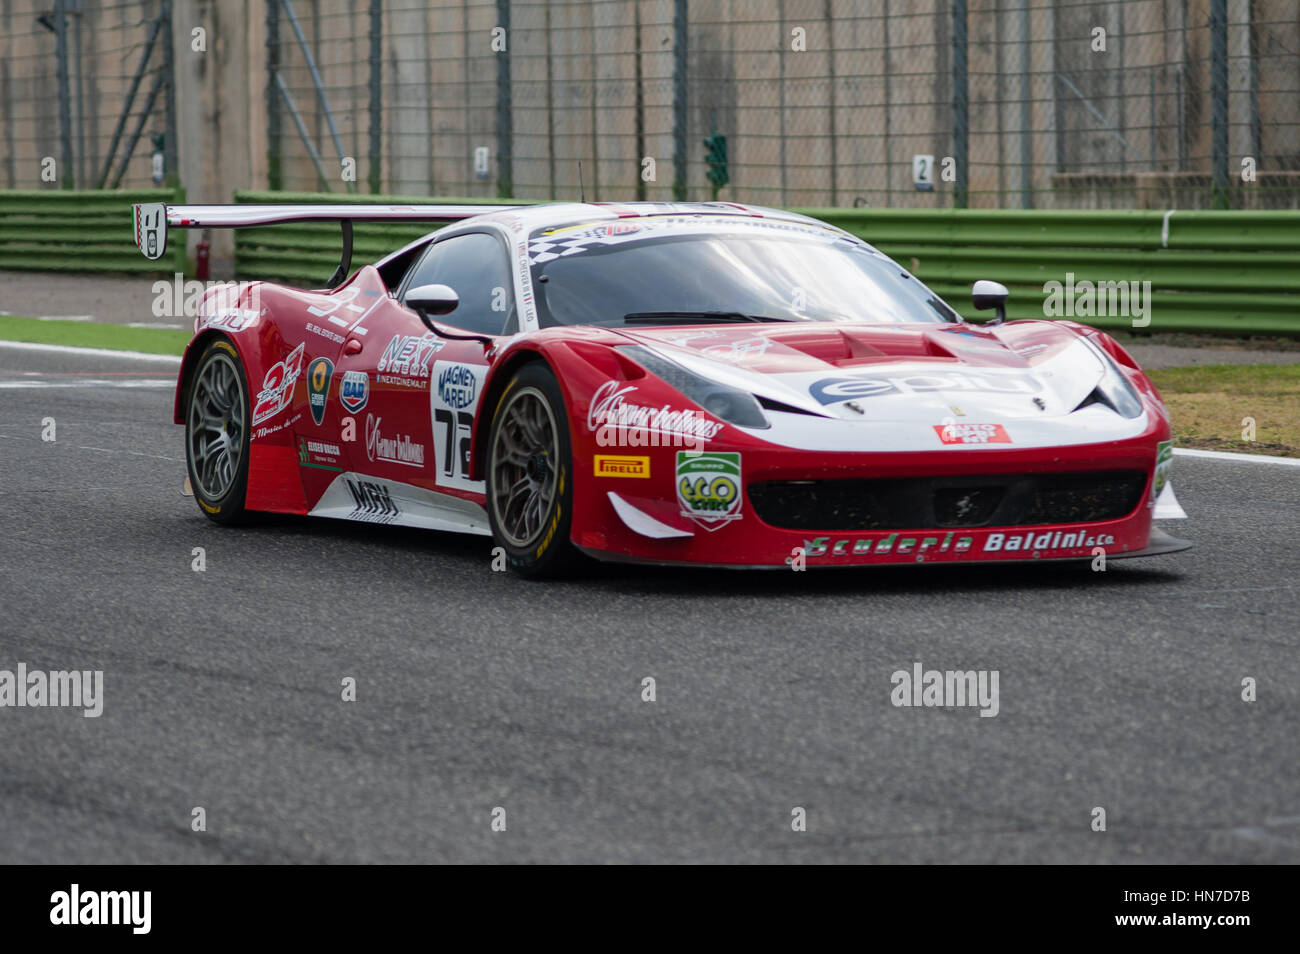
x: 217, y: 434
x: 529, y: 484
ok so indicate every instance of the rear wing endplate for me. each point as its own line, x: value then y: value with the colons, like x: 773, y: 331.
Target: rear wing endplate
x: 153, y: 219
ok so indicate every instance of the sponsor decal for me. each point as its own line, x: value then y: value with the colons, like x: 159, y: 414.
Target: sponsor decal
x: 523, y: 279
x: 374, y: 503
x: 405, y: 361
x: 620, y: 423
x: 457, y: 386
x: 963, y: 433
x: 878, y: 546
x: 354, y: 391
x: 229, y: 319
x: 1164, y: 461
x: 319, y: 374
x: 343, y: 312
x: 151, y: 229
x: 324, y: 333
x: 393, y: 450
x: 684, y: 339
x: 918, y: 545
x: 266, y: 430
x: 563, y: 242
x: 453, y: 421
x: 709, y: 488
x: 322, y: 455
x: 832, y: 390
x: 739, y: 351
x: 1047, y: 540
x: 608, y: 465
x: 277, y: 387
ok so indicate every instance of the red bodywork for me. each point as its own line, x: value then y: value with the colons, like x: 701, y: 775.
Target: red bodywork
x: 403, y: 435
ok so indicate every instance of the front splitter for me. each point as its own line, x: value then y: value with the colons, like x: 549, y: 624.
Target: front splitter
x: 1158, y: 544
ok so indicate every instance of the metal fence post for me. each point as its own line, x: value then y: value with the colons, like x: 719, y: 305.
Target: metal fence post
x: 374, y: 175
x: 1219, y: 101
x: 1026, y: 112
x: 274, y: 171
x: 67, y: 179
x: 960, y: 107
x: 505, y: 122
x: 829, y: 19
x: 680, y: 15
x: 172, y: 172
x: 1256, y: 133
x: 640, y: 106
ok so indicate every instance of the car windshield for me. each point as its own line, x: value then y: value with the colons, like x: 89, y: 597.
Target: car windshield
x: 629, y: 273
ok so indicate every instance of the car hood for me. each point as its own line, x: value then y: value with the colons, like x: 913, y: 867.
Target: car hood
x: 1034, y: 376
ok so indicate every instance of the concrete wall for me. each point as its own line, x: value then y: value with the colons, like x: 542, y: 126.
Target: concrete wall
x: 835, y: 122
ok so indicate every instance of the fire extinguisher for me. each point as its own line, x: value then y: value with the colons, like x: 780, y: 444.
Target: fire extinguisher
x: 202, y: 253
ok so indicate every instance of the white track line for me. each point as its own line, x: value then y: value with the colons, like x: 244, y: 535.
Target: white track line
x: 1238, y: 458
x: 92, y: 352
x: 24, y: 384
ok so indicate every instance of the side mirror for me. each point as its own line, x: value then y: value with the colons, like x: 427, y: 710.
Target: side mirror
x: 429, y: 300
x: 985, y: 294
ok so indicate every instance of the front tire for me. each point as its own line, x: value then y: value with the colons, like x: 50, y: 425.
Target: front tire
x: 529, y: 475
x: 217, y: 434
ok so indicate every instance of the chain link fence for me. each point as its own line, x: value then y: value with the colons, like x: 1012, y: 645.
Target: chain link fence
x: 908, y: 103
x: 86, y: 94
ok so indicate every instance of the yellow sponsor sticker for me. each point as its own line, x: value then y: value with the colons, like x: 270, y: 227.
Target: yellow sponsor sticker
x: 609, y: 465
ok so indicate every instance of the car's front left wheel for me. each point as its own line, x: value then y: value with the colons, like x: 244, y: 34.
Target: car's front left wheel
x: 529, y: 484
x: 217, y: 433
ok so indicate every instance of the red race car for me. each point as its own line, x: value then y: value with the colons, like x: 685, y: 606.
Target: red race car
x: 707, y: 383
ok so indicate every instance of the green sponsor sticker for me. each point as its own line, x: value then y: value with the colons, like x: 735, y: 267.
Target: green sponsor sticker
x: 709, y: 487
x: 1164, y: 461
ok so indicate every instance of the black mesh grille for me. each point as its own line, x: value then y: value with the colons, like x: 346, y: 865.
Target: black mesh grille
x: 917, y: 503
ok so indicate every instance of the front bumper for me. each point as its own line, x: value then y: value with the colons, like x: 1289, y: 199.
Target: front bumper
x: 642, y: 519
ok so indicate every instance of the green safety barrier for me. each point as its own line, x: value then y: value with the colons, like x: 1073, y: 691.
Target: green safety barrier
x: 80, y: 231
x: 1229, y: 272
x: 1210, y: 272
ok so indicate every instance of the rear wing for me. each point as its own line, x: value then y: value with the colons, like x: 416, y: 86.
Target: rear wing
x: 153, y: 219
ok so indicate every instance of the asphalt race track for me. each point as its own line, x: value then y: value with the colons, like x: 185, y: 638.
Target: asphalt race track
x: 476, y: 690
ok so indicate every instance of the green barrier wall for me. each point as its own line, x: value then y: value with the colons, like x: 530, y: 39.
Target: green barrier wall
x: 1213, y: 272
x: 85, y: 231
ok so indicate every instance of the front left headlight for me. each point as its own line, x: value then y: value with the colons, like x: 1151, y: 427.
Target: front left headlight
x: 721, y: 400
x: 1114, y: 387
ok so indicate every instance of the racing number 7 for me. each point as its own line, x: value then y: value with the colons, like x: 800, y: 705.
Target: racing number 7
x: 462, y: 422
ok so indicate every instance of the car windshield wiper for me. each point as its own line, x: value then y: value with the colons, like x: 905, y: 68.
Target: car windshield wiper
x: 692, y: 317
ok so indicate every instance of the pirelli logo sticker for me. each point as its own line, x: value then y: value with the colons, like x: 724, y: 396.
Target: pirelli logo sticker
x: 621, y: 465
